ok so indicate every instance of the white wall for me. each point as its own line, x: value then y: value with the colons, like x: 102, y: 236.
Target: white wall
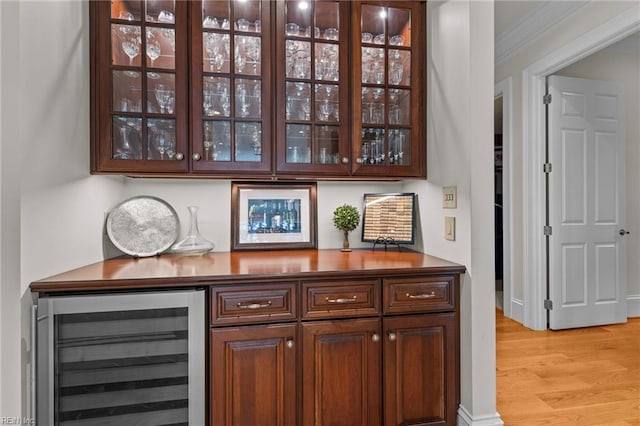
x: 583, y: 21
x: 460, y: 153
x: 53, y: 210
x: 612, y: 65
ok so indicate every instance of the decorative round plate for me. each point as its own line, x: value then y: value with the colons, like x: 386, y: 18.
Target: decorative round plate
x: 143, y: 226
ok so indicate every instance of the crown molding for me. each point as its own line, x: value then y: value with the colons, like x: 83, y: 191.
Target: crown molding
x: 532, y: 25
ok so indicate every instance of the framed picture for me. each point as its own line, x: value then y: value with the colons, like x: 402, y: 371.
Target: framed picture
x: 389, y: 218
x: 273, y: 216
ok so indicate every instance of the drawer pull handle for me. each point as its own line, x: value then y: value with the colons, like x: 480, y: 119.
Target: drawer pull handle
x: 352, y: 299
x: 421, y: 295
x: 257, y: 305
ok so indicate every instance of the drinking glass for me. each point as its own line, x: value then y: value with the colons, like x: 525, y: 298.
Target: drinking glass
x: 242, y: 103
x: 292, y: 29
x: 166, y: 16
x: 210, y: 22
x: 397, y: 40
x: 162, y: 142
x: 162, y: 96
x: 331, y: 34
x: 153, y: 50
x: 379, y: 39
x: 242, y: 24
x: 131, y: 48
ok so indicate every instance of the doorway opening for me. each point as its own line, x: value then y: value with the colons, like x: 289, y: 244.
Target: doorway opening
x: 498, y: 200
x: 535, y: 315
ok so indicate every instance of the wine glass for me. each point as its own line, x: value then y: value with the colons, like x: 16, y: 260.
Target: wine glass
x: 163, y: 96
x: 207, y: 143
x: 161, y: 142
x: 123, y: 152
x: 131, y: 48
x: 153, y: 50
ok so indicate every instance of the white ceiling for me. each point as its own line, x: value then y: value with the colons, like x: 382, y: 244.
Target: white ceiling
x: 508, y: 12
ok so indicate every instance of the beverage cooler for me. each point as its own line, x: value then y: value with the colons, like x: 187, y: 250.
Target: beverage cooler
x: 121, y: 359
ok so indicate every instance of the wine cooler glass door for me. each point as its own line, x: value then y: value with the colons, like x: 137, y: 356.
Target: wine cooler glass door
x: 121, y: 359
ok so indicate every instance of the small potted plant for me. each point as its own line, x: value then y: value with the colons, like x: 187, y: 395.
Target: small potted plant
x: 346, y: 219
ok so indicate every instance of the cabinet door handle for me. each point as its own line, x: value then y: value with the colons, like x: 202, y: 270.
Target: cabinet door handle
x: 351, y: 299
x: 392, y: 336
x: 255, y: 305
x: 345, y: 160
x: 196, y: 156
x: 179, y: 156
x: 375, y: 337
x: 289, y: 343
x: 421, y: 295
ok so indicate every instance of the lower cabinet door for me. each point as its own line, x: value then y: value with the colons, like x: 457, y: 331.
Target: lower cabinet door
x: 253, y: 375
x: 341, y: 372
x: 420, y: 356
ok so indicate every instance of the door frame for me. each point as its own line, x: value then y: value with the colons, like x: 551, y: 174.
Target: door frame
x: 512, y: 308
x: 534, y: 207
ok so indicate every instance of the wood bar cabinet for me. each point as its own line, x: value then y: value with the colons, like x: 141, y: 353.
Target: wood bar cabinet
x: 310, y: 337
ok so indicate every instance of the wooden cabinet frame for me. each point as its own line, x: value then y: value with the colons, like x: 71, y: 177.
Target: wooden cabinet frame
x: 273, y: 164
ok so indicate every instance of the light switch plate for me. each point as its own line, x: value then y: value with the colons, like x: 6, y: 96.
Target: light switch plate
x: 450, y: 197
x: 450, y: 228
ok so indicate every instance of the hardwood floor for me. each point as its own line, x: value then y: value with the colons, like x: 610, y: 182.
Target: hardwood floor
x: 587, y: 376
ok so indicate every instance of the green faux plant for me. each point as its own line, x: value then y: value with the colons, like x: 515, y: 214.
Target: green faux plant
x: 346, y: 218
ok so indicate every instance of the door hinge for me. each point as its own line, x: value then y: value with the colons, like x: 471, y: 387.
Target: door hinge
x: 547, y: 230
x: 548, y: 305
x: 547, y: 167
x: 546, y: 99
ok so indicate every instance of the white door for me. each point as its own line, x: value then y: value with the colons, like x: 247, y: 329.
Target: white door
x: 587, y: 253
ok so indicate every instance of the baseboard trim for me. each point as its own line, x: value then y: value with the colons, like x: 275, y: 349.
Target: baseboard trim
x: 466, y: 419
x: 517, y: 310
x: 633, y: 306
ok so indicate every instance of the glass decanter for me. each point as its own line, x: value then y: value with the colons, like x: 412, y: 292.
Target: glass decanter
x: 194, y: 243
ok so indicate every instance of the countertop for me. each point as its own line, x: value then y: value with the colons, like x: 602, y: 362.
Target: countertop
x: 175, y: 270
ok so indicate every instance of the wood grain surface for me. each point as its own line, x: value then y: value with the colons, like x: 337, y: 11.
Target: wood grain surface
x: 173, y: 270
x: 584, y: 376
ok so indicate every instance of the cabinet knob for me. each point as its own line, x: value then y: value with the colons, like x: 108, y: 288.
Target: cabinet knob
x: 196, y: 156
x: 345, y: 160
x: 289, y: 343
x: 375, y: 337
x: 392, y: 336
x: 179, y: 156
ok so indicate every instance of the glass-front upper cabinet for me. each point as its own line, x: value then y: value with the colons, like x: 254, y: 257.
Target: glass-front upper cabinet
x: 312, y: 87
x: 230, y: 86
x: 139, y: 118
x: 388, y: 130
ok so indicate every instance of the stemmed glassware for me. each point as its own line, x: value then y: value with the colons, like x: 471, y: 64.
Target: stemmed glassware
x: 153, y: 50
x: 162, y: 142
x: 124, y: 150
x: 164, y: 97
x: 131, y: 48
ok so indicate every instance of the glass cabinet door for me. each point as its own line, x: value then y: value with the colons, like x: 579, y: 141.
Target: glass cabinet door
x: 230, y: 86
x: 311, y: 79
x: 142, y: 89
x: 388, y: 98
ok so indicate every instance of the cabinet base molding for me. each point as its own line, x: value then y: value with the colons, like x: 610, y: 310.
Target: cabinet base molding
x: 467, y: 419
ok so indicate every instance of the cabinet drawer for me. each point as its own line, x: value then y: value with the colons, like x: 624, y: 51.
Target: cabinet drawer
x: 253, y: 303
x: 420, y: 294
x: 330, y: 299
